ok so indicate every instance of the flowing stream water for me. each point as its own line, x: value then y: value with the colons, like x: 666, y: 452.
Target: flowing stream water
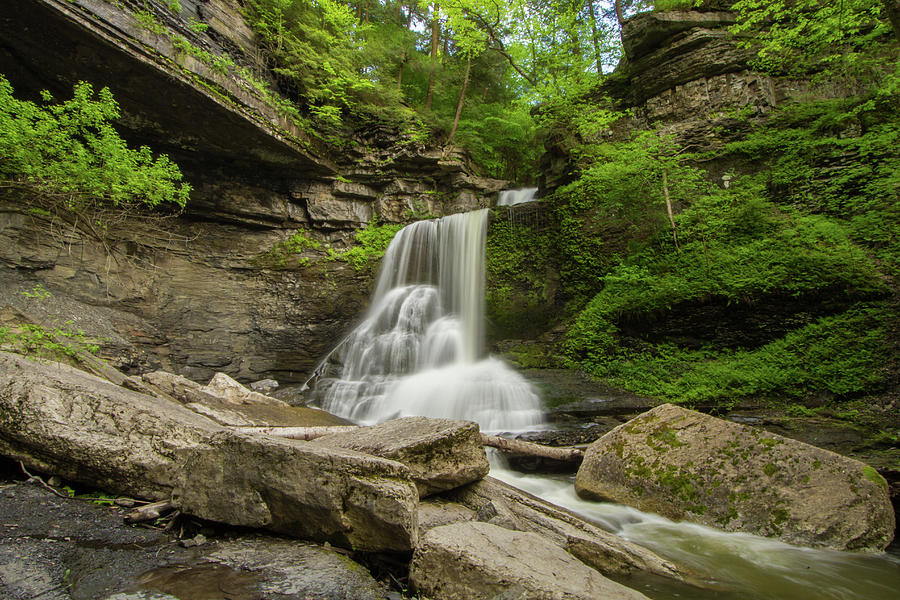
x: 419, y: 351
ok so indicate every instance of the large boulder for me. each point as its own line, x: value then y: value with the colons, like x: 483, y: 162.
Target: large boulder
x: 347, y: 498
x: 687, y: 465
x: 58, y: 419
x: 473, y: 561
x: 442, y: 454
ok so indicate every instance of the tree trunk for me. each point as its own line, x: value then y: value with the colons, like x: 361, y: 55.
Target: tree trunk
x: 669, y: 209
x: 503, y: 444
x: 619, y: 14
x: 530, y: 449
x: 435, y: 39
x: 892, y: 11
x: 462, y: 98
x: 149, y: 512
x: 297, y: 433
x: 596, y: 37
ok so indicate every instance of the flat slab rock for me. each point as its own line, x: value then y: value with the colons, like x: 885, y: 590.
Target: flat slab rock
x: 63, y: 548
x: 442, y: 454
x: 227, y: 402
x: 687, y: 465
x: 474, y: 561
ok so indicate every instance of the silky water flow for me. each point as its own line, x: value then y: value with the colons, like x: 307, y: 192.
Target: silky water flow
x: 420, y: 349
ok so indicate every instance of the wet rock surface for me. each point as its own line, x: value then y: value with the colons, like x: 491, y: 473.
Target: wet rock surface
x: 58, y: 419
x: 72, y: 549
x: 474, y: 561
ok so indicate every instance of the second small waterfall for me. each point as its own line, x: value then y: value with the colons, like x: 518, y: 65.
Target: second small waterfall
x: 419, y: 350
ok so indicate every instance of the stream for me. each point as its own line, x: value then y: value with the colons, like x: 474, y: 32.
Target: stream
x: 419, y: 351
x: 741, y: 566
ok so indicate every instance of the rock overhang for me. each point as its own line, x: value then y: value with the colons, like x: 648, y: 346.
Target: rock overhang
x: 169, y: 99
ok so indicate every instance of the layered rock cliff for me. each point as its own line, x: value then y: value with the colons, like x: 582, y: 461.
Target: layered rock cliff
x: 198, y: 293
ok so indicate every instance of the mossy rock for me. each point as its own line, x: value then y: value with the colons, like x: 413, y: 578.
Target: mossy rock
x: 688, y: 465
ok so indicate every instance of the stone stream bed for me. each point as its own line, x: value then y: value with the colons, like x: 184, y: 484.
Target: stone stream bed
x: 58, y: 547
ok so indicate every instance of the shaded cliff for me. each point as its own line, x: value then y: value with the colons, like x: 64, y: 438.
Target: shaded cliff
x: 199, y: 293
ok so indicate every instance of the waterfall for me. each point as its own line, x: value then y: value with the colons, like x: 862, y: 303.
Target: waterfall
x: 419, y: 349
x: 514, y: 197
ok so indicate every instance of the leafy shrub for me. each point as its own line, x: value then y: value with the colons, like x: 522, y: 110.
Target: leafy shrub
x: 372, y: 242
x: 70, y: 150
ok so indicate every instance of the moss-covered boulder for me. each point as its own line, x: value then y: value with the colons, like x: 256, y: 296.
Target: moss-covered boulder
x: 687, y: 465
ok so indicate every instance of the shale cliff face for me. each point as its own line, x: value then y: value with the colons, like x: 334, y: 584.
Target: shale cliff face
x: 202, y: 294
x: 684, y: 73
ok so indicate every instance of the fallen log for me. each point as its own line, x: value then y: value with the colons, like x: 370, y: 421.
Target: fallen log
x: 532, y: 449
x: 297, y: 433
x: 502, y: 444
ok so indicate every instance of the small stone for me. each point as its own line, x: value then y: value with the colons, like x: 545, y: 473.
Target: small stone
x: 264, y: 386
x: 125, y: 502
x: 55, y: 481
x: 197, y: 540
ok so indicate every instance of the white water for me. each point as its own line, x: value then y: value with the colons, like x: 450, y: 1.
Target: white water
x: 419, y: 350
x: 733, y: 566
x: 514, y: 197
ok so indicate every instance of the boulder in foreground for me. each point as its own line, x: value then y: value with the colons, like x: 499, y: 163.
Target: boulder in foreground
x: 684, y: 464
x: 60, y: 420
x: 442, y: 454
x: 475, y: 561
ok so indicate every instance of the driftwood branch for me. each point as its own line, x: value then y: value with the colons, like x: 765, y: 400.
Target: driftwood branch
x: 532, y: 449
x: 502, y: 444
x: 297, y: 433
x: 149, y: 512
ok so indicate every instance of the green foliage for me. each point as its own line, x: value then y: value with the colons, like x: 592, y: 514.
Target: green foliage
x: 315, y: 51
x: 293, y: 246
x: 617, y: 205
x: 734, y: 248
x: 844, y: 354
x: 518, y: 259
x: 838, y: 157
x: 372, y: 242
x: 795, y: 37
x: 49, y: 343
x: 71, y: 149
x: 56, y: 342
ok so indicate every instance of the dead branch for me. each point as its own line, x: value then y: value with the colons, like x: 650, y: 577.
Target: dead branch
x: 149, y: 512
x: 502, y: 444
x: 297, y: 433
x: 532, y: 449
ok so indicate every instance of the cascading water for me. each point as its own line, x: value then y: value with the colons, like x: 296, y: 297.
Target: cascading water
x: 419, y: 352
x: 419, y: 349
x: 514, y: 197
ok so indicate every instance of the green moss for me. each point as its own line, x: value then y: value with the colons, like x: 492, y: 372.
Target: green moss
x: 770, y: 469
x: 874, y: 476
x: 667, y: 436
x: 520, y: 272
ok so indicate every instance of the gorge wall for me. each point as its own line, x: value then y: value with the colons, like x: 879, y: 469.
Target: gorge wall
x: 200, y: 292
